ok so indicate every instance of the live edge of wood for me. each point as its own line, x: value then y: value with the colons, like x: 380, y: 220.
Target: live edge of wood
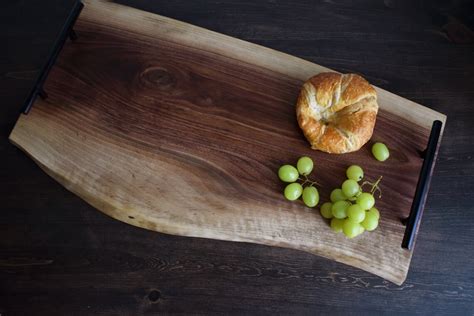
x: 178, y: 129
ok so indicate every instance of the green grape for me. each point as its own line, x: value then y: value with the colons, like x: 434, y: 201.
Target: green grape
x: 288, y: 173
x: 370, y: 222
x: 361, y: 229
x: 351, y: 228
x: 337, y: 195
x: 326, y: 210
x: 380, y: 151
x: 310, y: 196
x: 365, y: 200
x: 355, y: 173
x: 304, y: 165
x: 293, y: 191
x: 375, y: 211
x: 339, y: 209
x: 336, y: 224
x: 355, y: 213
x: 354, y: 198
x: 350, y: 188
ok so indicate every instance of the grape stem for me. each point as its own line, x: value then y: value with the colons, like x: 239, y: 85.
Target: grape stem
x: 306, y: 180
x: 375, y: 186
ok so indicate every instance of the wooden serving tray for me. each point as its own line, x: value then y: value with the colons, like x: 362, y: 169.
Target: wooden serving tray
x: 181, y: 130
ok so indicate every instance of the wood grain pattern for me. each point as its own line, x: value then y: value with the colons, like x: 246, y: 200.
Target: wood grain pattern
x: 102, y: 266
x: 177, y: 129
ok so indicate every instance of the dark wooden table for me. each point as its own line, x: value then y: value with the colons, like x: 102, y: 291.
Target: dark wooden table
x: 58, y: 255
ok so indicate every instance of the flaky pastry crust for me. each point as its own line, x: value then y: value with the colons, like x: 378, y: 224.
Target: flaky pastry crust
x: 337, y: 112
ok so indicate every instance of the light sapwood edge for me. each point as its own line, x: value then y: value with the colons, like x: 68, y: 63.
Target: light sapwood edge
x: 114, y: 211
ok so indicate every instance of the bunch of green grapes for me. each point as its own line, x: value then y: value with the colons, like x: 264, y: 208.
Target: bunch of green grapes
x: 305, y: 187
x: 352, y: 210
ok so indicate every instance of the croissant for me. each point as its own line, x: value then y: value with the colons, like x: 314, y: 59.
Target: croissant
x: 337, y: 112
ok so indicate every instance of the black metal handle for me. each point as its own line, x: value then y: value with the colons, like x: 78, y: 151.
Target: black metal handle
x: 416, y: 212
x: 66, y: 32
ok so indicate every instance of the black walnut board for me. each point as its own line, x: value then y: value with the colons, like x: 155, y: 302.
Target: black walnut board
x: 181, y: 130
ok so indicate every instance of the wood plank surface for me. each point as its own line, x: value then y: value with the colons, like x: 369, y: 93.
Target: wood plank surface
x: 177, y: 129
x: 60, y: 256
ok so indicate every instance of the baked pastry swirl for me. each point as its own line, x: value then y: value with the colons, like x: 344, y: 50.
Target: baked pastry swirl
x: 337, y: 112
